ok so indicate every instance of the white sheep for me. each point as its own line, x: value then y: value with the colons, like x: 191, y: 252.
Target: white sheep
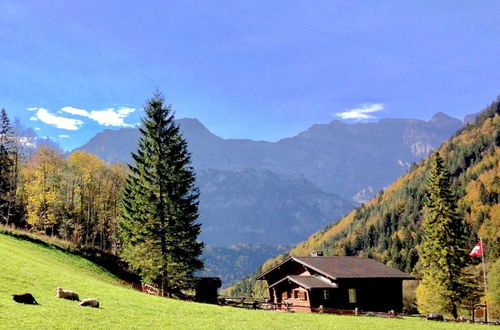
x: 91, y: 302
x: 66, y: 294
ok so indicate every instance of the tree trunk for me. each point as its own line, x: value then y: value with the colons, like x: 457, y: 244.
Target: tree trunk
x: 454, y: 311
x: 8, y: 212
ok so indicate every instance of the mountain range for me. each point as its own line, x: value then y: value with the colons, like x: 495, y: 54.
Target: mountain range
x: 346, y: 159
x: 251, y: 189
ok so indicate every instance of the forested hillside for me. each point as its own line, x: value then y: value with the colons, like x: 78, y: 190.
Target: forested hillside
x: 251, y: 206
x: 387, y: 228
x: 234, y: 262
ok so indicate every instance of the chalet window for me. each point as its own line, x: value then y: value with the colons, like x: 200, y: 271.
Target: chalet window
x: 352, y: 296
x: 299, y: 294
x: 326, y: 294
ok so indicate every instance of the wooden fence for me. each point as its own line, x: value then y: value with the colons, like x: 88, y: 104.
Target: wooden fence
x: 142, y: 287
x: 264, y: 304
x: 149, y: 289
x: 260, y: 303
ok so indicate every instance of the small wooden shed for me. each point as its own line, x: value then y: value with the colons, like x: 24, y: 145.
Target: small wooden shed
x: 206, y: 289
x: 341, y: 283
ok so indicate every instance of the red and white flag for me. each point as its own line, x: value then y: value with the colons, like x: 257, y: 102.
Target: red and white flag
x: 477, y: 250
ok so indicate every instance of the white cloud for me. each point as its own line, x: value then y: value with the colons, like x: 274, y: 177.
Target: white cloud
x: 37, y: 128
x: 75, y: 111
x: 362, y: 112
x: 108, y: 117
x: 32, y: 109
x: 112, y: 117
x: 63, y: 136
x: 57, y: 121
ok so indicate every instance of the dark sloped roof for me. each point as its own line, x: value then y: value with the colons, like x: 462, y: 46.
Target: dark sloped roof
x: 345, y: 267
x: 308, y: 282
x: 351, y: 267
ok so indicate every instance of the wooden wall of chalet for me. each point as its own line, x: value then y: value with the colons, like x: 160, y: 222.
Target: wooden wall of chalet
x: 377, y: 295
x: 286, y: 292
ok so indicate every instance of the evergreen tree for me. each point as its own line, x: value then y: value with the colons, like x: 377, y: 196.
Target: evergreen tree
x: 443, y: 250
x: 6, y: 166
x: 5, y: 159
x: 160, y: 204
x: 494, y: 289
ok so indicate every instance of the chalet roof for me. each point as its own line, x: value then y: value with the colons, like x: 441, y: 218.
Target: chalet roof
x: 308, y: 282
x: 346, y: 267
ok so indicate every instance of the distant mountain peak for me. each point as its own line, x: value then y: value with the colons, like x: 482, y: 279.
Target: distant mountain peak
x: 441, y: 119
x: 191, y: 121
x: 193, y: 127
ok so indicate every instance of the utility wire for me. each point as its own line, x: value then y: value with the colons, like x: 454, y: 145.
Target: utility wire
x: 350, y: 40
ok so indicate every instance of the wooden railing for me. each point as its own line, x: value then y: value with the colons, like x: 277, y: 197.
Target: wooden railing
x: 259, y: 303
x: 288, y: 306
x: 149, y: 289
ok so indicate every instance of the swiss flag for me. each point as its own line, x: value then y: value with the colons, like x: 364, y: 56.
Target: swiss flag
x: 477, y: 250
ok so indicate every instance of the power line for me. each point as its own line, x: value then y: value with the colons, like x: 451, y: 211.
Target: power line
x: 350, y: 40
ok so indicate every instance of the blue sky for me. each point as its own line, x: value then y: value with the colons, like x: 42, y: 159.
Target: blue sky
x: 246, y: 69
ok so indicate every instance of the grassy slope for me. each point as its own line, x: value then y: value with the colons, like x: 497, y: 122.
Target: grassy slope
x: 26, y: 266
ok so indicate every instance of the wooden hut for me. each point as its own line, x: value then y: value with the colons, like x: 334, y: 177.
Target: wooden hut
x: 206, y: 289
x: 335, y: 283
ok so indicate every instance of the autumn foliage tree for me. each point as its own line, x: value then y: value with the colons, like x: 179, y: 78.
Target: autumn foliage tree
x: 44, y: 199
x: 76, y: 198
x: 83, y: 183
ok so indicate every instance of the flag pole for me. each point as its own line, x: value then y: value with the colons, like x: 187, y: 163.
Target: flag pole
x: 482, y: 259
x: 485, y: 285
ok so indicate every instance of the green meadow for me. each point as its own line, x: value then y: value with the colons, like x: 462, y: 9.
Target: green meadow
x: 40, y: 269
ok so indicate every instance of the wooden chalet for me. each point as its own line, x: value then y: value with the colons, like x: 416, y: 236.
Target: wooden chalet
x: 335, y: 283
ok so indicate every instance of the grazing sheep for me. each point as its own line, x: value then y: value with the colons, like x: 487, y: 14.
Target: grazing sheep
x: 435, y: 317
x: 66, y: 294
x: 25, y: 298
x: 91, y: 302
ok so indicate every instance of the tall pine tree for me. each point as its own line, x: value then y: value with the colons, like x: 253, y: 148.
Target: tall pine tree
x: 6, y: 166
x: 160, y: 205
x: 6, y: 134
x: 443, y: 250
